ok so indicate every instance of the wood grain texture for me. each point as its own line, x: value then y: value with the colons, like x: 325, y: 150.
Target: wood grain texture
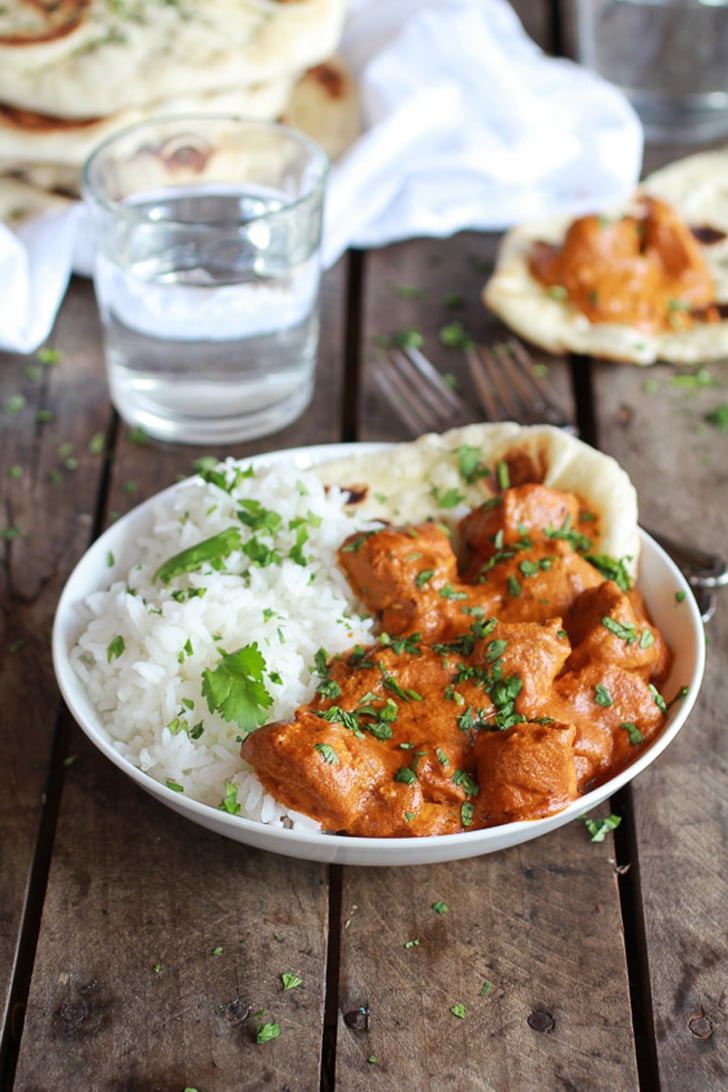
x: 162, y: 948
x: 432, y: 288
x: 529, y: 945
x: 53, y: 420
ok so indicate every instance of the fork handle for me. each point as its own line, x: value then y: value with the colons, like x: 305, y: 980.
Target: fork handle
x: 701, y: 569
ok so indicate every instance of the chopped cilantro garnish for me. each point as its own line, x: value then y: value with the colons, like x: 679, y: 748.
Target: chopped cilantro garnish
x: 211, y: 551
x: 267, y: 1032
x: 627, y: 632
x: 327, y: 753
x: 718, y: 416
x: 469, y: 465
x: 229, y: 803
x: 235, y: 688
x: 450, y: 498
x: 599, y: 828
x: 602, y: 696
x: 455, y: 336
x: 115, y: 648
x: 635, y: 736
x: 502, y: 474
x: 612, y: 569
x: 405, y: 775
x: 466, y: 782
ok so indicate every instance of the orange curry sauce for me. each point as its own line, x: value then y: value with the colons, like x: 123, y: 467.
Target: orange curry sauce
x: 646, y: 271
x: 505, y: 683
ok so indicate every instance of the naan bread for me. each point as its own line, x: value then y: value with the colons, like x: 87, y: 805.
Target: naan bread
x: 409, y: 482
x: 50, y: 152
x: 81, y: 58
x: 697, y: 188
x: 20, y: 201
x: 325, y: 105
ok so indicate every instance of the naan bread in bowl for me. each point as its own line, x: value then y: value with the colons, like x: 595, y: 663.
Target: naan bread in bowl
x: 665, y: 252
x: 84, y: 58
x: 443, y: 476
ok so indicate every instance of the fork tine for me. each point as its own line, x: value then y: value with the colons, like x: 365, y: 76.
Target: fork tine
x: 489, y: 369
x: 437, y: 385
x: 418, y: 391
x: 401, y: 398
x: 508, y: 386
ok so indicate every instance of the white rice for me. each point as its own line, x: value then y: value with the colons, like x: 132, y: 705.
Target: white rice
x: 289, y: 609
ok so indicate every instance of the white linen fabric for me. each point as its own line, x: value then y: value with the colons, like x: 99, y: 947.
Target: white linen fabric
x: 467, y: 124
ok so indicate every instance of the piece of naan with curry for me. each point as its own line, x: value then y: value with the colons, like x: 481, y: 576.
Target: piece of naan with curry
x: 516, y: 666
x: 644, y: 282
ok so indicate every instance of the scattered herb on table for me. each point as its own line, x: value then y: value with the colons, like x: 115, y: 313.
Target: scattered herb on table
x: 265, y: 1033
x: 718, y: 416
x: 599, y: 828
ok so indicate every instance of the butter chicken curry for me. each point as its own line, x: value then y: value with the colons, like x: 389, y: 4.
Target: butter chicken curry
x: 509, y: 678
x: 648, y: 271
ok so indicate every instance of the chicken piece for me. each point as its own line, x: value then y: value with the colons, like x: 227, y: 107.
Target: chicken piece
x: 646, y: 271
x: 604, y: 628
x: 534, y: 584
x: 532, y: 654
x: 526, y: 772
x: 613, y: 710
x: 520, y: 512
x: 405, y: 575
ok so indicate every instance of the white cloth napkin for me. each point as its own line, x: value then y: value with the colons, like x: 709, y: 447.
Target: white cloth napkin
x: 467, y: 125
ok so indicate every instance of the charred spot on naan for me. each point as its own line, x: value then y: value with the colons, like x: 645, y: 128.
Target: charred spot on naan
x: 45, y: 21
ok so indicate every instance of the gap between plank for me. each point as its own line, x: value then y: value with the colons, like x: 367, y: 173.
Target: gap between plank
x: 582, y: 387
x: 633, y: 922
x: 331, y: 1000
x: 33, y: 908
x: 353, y: 307
x: 625, y: 837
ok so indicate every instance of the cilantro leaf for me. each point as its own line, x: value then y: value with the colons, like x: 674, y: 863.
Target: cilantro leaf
x: 211, y: 551
x: 599, y: 828
x: 235, y: 688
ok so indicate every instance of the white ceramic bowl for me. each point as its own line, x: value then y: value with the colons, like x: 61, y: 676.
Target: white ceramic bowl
x: 660, y: 582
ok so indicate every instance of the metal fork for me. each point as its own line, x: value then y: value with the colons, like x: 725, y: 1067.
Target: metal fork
x: 510, y: 388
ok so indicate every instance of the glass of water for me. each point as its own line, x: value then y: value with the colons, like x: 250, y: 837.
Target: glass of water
x: 206, y: 234
x: 670, y: 57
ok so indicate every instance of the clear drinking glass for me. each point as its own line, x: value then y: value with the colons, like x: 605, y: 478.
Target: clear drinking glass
x: 206, y: 234
x: 670, y: 57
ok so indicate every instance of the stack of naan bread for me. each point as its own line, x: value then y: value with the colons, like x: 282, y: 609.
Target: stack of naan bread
x: 73, y: 71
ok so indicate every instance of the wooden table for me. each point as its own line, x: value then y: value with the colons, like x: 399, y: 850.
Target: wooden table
x: 137, y: 949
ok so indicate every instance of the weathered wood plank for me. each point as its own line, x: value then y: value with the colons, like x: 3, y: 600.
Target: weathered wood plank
x: 657, y: 428
x: 50, y: 475
x: 162, y: 948
x: 529, y: 945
